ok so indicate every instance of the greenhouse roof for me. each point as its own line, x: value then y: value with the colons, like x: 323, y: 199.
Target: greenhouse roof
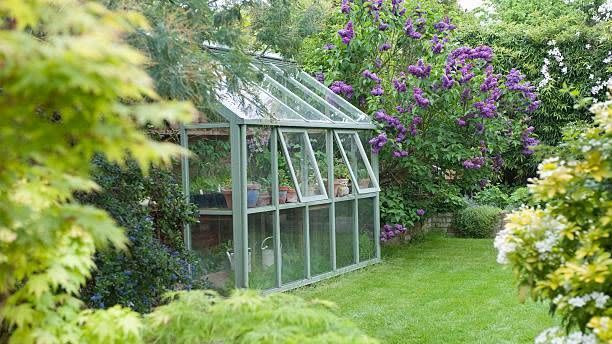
x: 284, y: 95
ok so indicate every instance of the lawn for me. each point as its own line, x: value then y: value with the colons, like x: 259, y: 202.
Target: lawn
x: 443, y: 290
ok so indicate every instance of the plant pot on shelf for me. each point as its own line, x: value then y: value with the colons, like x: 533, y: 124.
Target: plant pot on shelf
x: 227, y: 194
x: 264, y: 199
x: 292, y: 195
x: 364, y: 183
x: 341, y: 187
x: 252, y: 194
x: 282, y: 194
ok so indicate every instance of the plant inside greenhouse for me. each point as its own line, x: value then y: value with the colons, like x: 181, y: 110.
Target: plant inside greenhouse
x: 306, y: 171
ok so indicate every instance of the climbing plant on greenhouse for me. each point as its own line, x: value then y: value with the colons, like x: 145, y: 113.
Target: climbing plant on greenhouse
x: 560, y: 253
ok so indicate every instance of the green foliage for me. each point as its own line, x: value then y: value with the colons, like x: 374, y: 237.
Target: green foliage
x: 561, y: 252
x: 519, y: 197
x: 70, y: 88
x: 248, y: 317
x: 492, y: 195
x: 153, y: 210
x: 282, y: 25
x: 479, y: 221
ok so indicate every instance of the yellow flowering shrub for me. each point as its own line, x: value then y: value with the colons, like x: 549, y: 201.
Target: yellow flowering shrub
x: 561, y: 252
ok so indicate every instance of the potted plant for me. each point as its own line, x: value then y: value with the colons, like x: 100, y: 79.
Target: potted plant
x: 265, y: 198
x: 283, y: 182
x: 252, y: 194
x: 341, y: 179
x: 226, y: 189
x: 364, y: 179
x: 204, y: 192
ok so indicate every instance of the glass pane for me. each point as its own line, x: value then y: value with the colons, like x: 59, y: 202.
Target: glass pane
x: 355, y: 159
x: 292, y: 244
x: 211, y: 240
x: 259, y: 167
x: 367, y: 232
x: 286, y: 190
x: 210, y: 182
x: 342, y: 180
x: 262, y: 273
x: 304, y: 166
x: 295, y: 103
x: 320, y: 239
x: 325, y: 93
x: 305, y: 94
x: 344, y: 234
x: 251, y: 102
x: 318, y: 141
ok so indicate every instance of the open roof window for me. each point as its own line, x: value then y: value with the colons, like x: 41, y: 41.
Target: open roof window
x: 355, y: 157
x: 302, y: 165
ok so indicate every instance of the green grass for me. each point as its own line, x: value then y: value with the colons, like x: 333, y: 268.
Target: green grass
x: 443, y: 290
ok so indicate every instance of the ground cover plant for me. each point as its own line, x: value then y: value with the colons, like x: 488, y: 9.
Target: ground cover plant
x: 422, y: 294
x: 560, y: 253
x: 449, y: 120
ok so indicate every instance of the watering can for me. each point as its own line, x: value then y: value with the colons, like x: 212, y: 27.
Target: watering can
x: 267, y: 254
x: 230, y: 256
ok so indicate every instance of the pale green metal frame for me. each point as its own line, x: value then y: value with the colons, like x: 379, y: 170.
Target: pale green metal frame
x: 240, y: 211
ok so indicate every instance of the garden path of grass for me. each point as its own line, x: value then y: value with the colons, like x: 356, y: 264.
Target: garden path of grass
x: 443, y: 290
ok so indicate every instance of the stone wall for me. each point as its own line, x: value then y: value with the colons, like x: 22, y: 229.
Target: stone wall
x: 444, y: 222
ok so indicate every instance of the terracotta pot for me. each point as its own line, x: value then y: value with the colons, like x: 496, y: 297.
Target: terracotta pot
x: 227, y: 194
x: 341, y: 187
x: 292, y: 196
x: 264, y: 199
x: 282, y: 194
x: 364, y: 183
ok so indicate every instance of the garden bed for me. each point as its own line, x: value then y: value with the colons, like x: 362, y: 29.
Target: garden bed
x: 444, y: 290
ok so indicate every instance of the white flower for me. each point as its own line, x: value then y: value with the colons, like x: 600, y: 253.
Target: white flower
x: 588, y: 46
x: 503, y: 245
x: 564, y: 70
x: 557, y: 299
x: 600, y: 299
x: 591, y: 76
x: 578, y: 301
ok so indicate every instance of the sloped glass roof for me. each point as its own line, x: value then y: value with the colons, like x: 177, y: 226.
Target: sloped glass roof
x: 286, y: 96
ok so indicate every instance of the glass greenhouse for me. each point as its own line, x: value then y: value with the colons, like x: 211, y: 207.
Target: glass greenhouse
x: 286, y: 185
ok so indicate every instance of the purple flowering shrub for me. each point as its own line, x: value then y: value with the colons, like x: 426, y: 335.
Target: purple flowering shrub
x: 445, y: 114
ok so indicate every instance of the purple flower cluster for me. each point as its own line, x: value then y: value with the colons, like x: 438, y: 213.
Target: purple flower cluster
x: 474, y: 163
x: 514, y: 82
x: 458, y: 62
x: 400, y: 153
x: 529, y: 142
x: 420, y: 70
x: 383, y: 26
x: 490, y: 81
x: 445, y: 25
x: 392, y: 122
x: 486, y: 108
x: 329, y: 46
x: 378, y: 142
x: 419, y: 98
x: 377, y: 90
x: 388, y: 232
x: 410, y: 30
x: 340, y: 87
x: 372, y: 76
x: 384, y: 47
x: 497, y: 162
x: 420, y: 212
x: 437, y: 45
x: 395, y: 7
x: 416, y: 121
x: 346, y: 6
x: 399, y: 85
x: 320, y: 77
x: 347, y: 33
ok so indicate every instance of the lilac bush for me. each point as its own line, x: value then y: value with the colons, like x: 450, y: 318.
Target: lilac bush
x: 445, y: 115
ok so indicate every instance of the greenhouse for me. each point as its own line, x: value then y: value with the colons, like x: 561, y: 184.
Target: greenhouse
x: 285, y: 183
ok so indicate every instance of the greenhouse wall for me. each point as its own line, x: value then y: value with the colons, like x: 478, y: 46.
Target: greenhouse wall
x: 280, y: 207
